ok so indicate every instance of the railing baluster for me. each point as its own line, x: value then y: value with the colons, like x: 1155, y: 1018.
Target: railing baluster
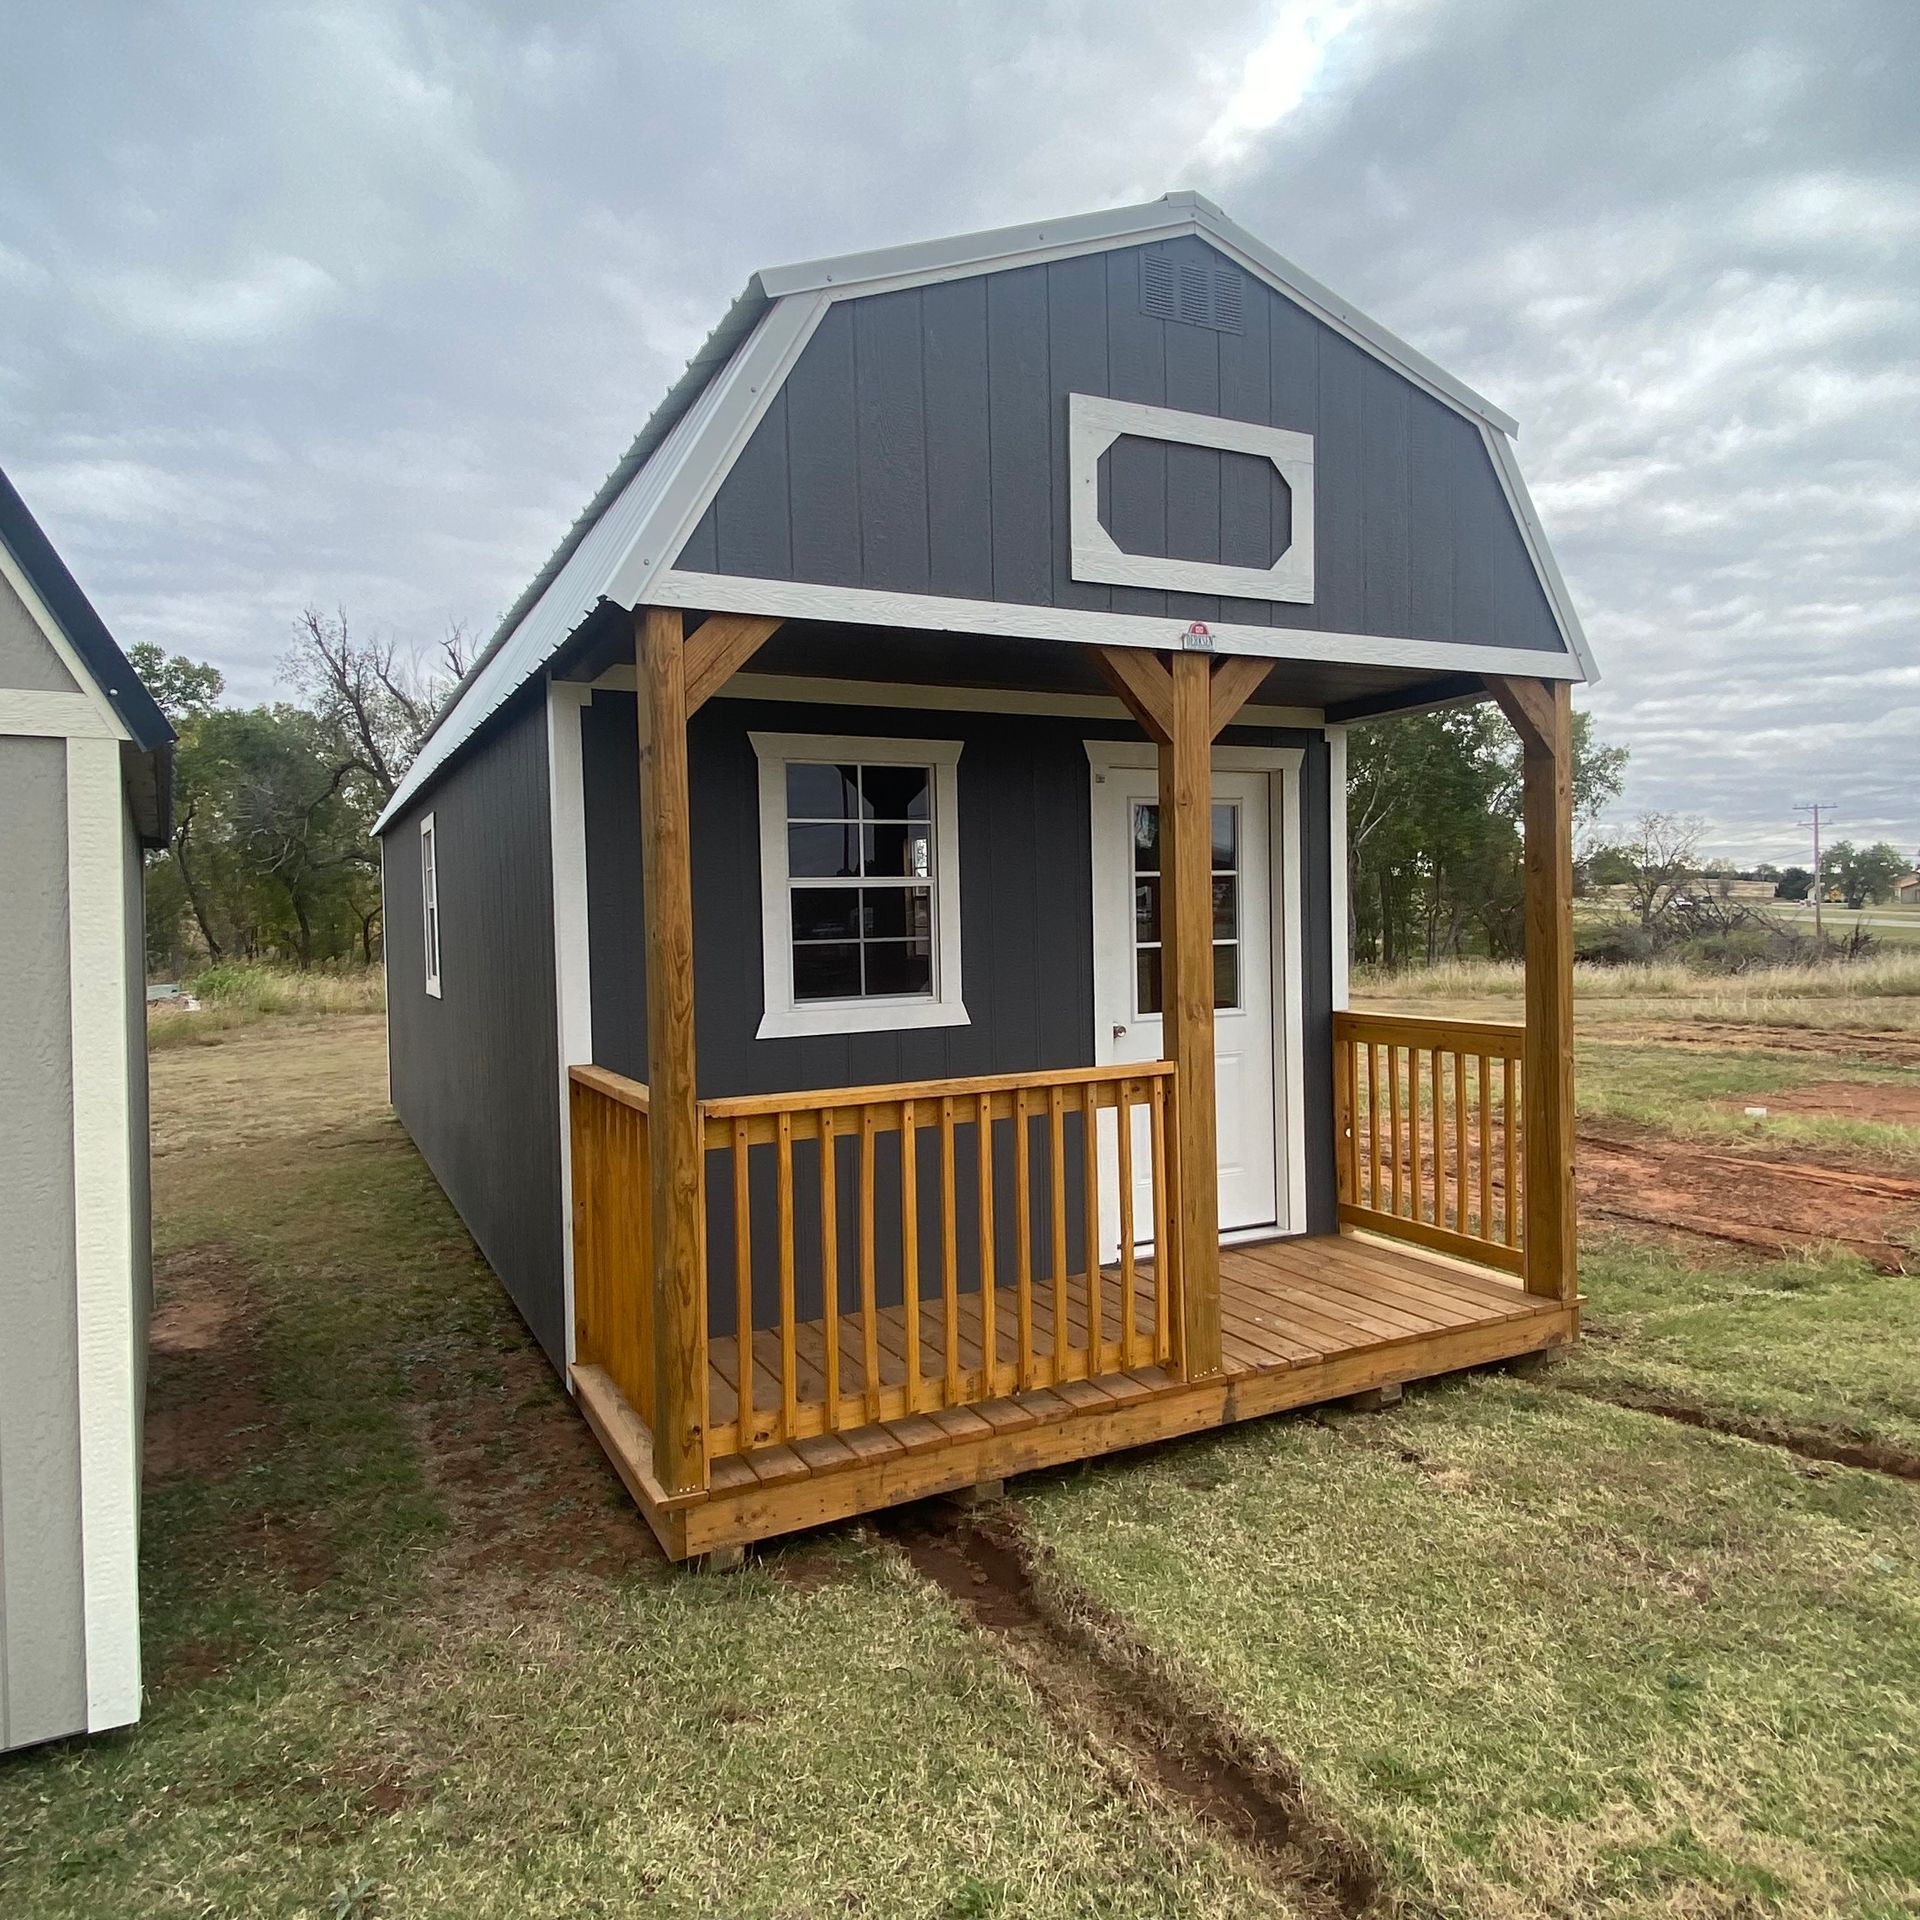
x: 1508, y: 1207
x: 1373, y: 1125
x: 742, y: 1286
x: 1165, y: 1254
x: 989, y: 1285
x: 1129, y: 1274
x: 1090, y: 1225
x: 1460, y: 1142
x: 1484, y: 1078
x: 869, y: 1330
x: 910, y: 1248
x: 830, y: 1267
x: 1393, y: 1113
x: 1413, y: 1131
x: 1023, y: 1235
x: 949, y: 1256
x: 1057, y: 1213
x: 1439, y: 1143
x: 783, y: 1213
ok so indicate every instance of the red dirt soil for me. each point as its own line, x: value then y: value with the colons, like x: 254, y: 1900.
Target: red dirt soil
x: 1896, y: 1103
x: 1771, y: 1205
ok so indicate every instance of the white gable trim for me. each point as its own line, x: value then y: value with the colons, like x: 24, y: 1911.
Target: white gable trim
x: 90, y: 689
x: 106, y: 1321
x: 57, y: 716
x: 803, y: 600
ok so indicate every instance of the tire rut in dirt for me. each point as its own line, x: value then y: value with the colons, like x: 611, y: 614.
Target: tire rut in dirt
x: 1101, y: 1684
x: 1870, y: 1456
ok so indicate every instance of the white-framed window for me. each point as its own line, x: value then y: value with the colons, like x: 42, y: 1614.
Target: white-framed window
x: 859, y: 884
x: 430, y: 903
x: 1095, y: 424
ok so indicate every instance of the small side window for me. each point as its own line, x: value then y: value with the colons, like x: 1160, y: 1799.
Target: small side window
x: 430, y: 903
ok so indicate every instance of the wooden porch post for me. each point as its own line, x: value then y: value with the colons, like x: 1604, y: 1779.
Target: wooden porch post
x: 1542, y: 714
x: 679, y: 1278
x: 1186, y: 999
x: 1181, y: 701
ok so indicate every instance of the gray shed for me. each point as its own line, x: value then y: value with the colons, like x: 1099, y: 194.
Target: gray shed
x: 866, y: 943
x: 85, y: 760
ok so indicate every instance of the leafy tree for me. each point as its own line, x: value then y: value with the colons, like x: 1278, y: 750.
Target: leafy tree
x: 1864, y: 875
x: 1434, y: 837
x: 1794, y: 883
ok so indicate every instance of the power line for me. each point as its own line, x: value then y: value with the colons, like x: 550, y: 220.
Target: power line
x: 1820, y: 809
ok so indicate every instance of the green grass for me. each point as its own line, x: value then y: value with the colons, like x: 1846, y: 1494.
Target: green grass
x: 1819, y: 1343
x: 409, y: 1650
x: 236, y: 995
x: 1547, y: 1656
x: 1701, y: 1094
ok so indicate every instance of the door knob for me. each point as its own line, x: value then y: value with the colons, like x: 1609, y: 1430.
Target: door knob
x: 1118, y: 1031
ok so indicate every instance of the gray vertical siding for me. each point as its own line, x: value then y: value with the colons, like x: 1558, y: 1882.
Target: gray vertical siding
x: 43, y: 1661
x: 919, y: 446
x: 474, y: 1072
x: 27, y: 658
x: 1026, y: 931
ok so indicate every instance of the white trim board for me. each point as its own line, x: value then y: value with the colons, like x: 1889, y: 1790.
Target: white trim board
x: 804, y: 690
x: 1094, y: 424
x: 58, y: 716
x: 865, y: 606
x: 1287, y: 904
x: 783, y: 1017
x: 572, y: 954
x: 1337, y: 935
x: 103, y: 1229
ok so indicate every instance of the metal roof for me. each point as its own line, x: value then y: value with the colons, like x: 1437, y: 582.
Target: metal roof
x: 639, y: 518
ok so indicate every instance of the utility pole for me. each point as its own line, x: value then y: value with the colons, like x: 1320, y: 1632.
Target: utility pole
x: 1818, y: 808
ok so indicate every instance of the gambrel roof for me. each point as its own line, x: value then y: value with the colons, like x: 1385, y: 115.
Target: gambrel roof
x: 633, y: 543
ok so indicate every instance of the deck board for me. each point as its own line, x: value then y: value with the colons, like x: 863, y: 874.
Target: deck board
x: 1302, y: 1320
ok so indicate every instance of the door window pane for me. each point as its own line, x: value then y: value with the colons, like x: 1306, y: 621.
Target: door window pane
x: 1226, y: 975
x: 1147, y: 980
x: 1147, y: 932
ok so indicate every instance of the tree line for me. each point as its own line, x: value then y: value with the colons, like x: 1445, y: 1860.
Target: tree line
x: 272, y: 855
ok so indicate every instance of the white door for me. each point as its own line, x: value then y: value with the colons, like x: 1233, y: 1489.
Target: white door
x: 1127, y: 981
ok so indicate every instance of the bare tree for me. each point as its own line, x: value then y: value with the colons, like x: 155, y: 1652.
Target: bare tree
x: 373, y: 699
x: 1661, y: 855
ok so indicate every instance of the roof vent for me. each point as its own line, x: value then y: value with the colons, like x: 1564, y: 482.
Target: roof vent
x: 1193, y: 292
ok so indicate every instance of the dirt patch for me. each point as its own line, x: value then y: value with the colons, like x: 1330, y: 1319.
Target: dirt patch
x: 527, y: 1490
x: 1887, y: 1046
x: 1871, y: 1456
x: 1143, y: 1725
x: 207, y: 1413
x: 1891, y: 1102
x: 1773, y: 1206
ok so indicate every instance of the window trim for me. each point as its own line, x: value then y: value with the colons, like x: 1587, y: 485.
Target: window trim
x: 1094, y: 423
x: 431, y: 933
x: 783, y: 1017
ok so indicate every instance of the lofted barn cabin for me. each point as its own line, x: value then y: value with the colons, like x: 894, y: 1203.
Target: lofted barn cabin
x: 867, y: 942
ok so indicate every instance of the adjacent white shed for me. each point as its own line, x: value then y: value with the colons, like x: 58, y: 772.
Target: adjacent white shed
x: 85, y: 762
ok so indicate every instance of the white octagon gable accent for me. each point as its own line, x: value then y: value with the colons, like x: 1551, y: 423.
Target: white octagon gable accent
x: 1094, y: 424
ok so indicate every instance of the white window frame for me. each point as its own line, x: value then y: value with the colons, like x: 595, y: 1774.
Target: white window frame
x: 784, y: 1017
x: 1094, y: 423
x: 430, y: 931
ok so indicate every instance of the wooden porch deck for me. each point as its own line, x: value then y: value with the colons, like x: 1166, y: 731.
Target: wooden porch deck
x: 1303, y: 1321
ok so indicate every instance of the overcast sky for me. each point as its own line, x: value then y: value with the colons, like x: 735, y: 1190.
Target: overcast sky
x: 357, y: 304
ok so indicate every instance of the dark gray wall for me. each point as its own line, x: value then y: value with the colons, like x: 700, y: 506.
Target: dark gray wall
x: 920, y: 446
x: 1026, y: 932
x: 475, y: 1073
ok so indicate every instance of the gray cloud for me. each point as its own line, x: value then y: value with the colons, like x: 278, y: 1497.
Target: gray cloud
x: 356, y: 304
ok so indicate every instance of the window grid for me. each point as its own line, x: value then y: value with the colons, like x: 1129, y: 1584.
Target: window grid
x: 1147, y: 975
x: 861, y: 921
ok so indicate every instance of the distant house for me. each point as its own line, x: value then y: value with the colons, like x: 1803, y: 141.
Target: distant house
x: 85, y: 764
x: 1906, y: 890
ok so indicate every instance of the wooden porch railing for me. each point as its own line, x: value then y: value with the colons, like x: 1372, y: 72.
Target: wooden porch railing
x: 954, y: 1311
x: 613, y: 1232
x: 1427, y: 1133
